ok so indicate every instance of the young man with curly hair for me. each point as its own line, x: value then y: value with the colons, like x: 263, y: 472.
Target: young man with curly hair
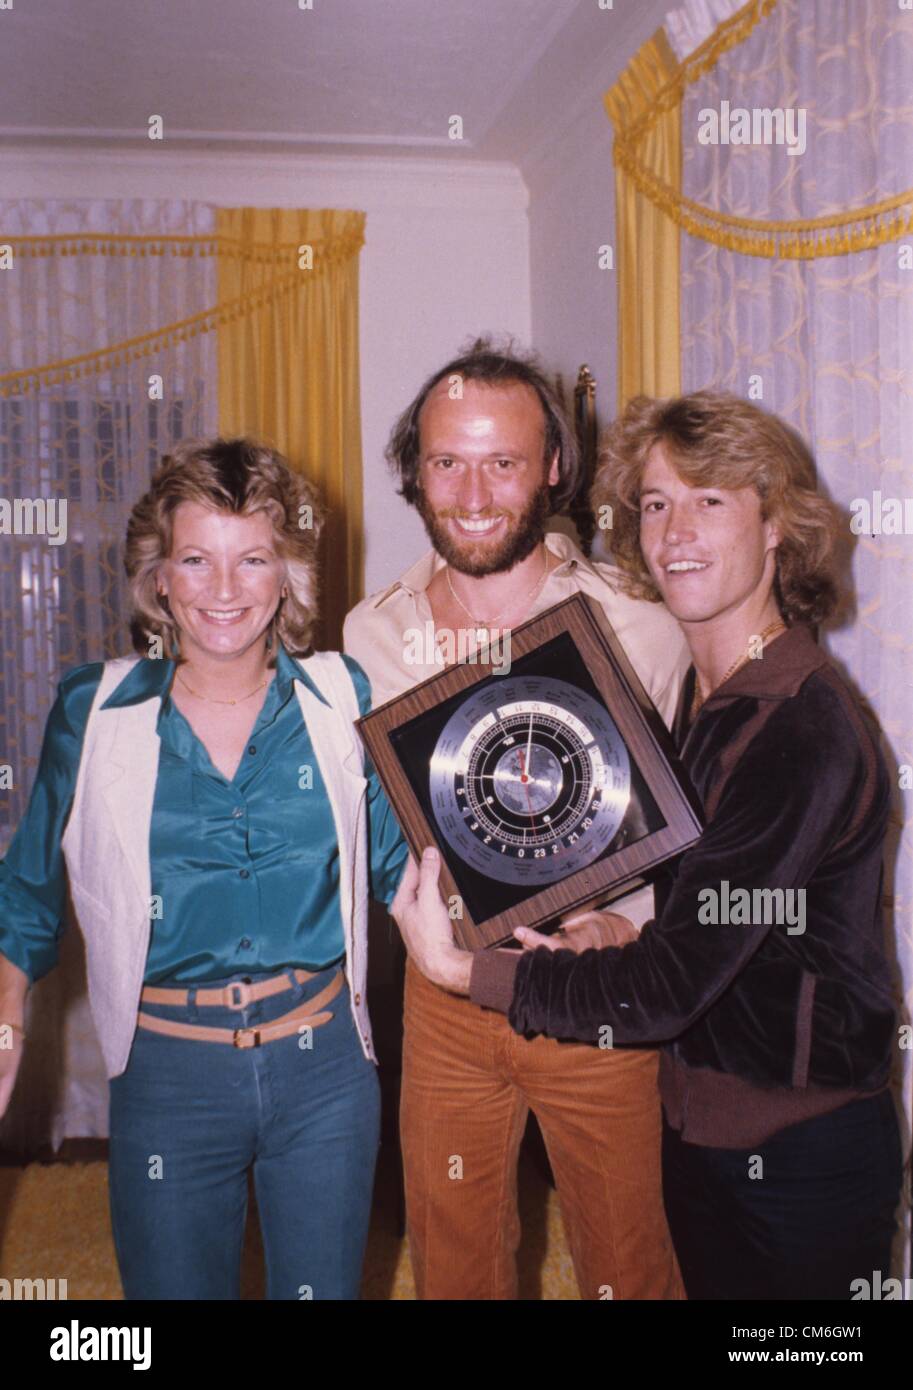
x: 781, y: 1153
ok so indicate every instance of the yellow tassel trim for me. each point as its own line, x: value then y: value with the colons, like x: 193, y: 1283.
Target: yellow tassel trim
x: 837, y: 234
x: 338, y: 248
x: 327, y: 253
x: 86, y: 364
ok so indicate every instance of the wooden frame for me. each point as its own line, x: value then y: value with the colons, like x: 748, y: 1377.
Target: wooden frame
x: 661, y: 804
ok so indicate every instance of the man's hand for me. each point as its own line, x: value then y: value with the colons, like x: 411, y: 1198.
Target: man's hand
x: 421, y: 915
x: 581, y: 932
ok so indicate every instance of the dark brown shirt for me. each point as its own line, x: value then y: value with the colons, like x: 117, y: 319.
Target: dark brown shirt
x: 790, y: 1014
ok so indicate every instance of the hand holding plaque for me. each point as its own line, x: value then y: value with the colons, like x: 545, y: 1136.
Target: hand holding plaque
x: 547, y: 788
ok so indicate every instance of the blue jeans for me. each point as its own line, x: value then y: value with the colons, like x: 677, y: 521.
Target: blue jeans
x: 820, y: 1215
x: 188, y: 1119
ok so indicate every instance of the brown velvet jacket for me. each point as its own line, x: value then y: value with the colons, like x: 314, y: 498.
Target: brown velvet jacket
x: 796, y: 796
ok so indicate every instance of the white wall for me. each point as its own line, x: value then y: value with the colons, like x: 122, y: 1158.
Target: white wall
x: 572, y: 214
x: 571, y: 181
x: 446, y: 256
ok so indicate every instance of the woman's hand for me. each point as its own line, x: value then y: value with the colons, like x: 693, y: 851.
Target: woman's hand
x: 10, y: 1057
x: 582, y: 932
x: 13, y: 989
x: 421, y: 915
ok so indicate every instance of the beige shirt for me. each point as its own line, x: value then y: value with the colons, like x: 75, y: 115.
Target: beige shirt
x: 384, y: 634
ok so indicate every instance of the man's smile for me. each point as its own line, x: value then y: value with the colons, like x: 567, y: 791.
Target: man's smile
x: 477, y: 526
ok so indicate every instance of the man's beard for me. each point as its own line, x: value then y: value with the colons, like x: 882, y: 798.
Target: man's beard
x: 479, y: 558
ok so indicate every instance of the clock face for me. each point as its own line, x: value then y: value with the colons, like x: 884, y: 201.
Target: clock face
x: 529, y: 780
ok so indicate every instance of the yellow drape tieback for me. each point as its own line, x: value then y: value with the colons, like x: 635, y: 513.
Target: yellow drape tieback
x: 835, y: 234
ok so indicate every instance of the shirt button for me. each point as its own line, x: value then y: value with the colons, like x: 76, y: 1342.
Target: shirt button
x: 244, y: 873
x: 357, y: 999
x: 238, y: 812
x: 245, y: 943
x: 252, y: 748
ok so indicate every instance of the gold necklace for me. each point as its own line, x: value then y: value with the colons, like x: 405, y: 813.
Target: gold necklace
x: 697, y: 700
x: 490, y: 622
x: 211, y: 698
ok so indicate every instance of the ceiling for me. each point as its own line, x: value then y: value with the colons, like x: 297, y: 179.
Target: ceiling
x: 346, y: 76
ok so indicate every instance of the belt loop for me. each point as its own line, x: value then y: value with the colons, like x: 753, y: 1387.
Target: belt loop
x: 296, y: 985
x: 193, y: 1015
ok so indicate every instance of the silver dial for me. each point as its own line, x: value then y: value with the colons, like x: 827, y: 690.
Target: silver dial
x: 530, y: 779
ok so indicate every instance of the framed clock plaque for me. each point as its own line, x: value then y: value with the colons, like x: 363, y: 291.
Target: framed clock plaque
x: 548, y: 783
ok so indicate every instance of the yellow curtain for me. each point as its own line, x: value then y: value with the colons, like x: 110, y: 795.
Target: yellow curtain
x: 289, y: 370
x: 648, y: 248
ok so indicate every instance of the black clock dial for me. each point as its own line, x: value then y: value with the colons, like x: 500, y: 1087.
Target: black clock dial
x: 530, y: 780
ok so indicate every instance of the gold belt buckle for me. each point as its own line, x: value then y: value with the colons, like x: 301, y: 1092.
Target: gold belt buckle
x: 250, y: 1037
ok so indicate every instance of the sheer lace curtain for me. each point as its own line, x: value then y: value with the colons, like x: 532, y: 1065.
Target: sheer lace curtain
x: 688, y: 27
x: 91, y: 442
x: 826, y: 343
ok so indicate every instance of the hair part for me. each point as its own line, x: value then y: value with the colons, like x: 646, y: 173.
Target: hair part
x: 496, y: 367
x: 241, y: 477
x: 714, y: 439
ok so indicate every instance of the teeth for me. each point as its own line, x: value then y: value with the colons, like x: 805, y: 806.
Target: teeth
x: 679, y: 566
x: 479, y: 526
x: 224, y: 615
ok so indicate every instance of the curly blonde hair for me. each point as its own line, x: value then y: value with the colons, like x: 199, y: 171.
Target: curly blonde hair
x: 714, y: 439
x: 240, y: 476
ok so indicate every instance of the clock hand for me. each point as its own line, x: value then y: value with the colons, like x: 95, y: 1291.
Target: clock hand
x: 529, y: 741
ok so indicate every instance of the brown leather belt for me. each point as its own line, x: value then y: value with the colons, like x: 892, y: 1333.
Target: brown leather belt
x: 312, y: 1012
x: 236, y: 996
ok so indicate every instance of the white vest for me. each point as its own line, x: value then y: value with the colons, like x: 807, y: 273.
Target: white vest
x: 106, y: 844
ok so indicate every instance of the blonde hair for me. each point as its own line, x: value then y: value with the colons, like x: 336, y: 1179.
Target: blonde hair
x: 239, y: 476
x: 713, y: 439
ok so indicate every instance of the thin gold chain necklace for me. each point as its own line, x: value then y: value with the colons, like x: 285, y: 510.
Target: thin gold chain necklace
x: 489, y: 622
x: 211, y: 698
x: 697, y: 700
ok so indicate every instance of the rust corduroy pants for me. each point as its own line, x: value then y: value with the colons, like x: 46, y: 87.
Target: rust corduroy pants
x: 469, y: 1082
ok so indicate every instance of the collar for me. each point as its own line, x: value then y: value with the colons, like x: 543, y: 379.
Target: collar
x: 151, y: 679
x: 786, y: 665
x: 417, y: 578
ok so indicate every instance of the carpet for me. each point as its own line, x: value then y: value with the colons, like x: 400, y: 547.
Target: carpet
x: 54, y: 1224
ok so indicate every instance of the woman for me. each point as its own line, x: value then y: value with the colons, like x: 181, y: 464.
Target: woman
x: 211, y: 807
x: 781, y: 1151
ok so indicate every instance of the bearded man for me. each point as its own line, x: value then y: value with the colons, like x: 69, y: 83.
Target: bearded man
x: 485, y: 454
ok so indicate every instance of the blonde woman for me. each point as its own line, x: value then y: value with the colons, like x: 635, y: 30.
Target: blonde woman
x: 208, y: 806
